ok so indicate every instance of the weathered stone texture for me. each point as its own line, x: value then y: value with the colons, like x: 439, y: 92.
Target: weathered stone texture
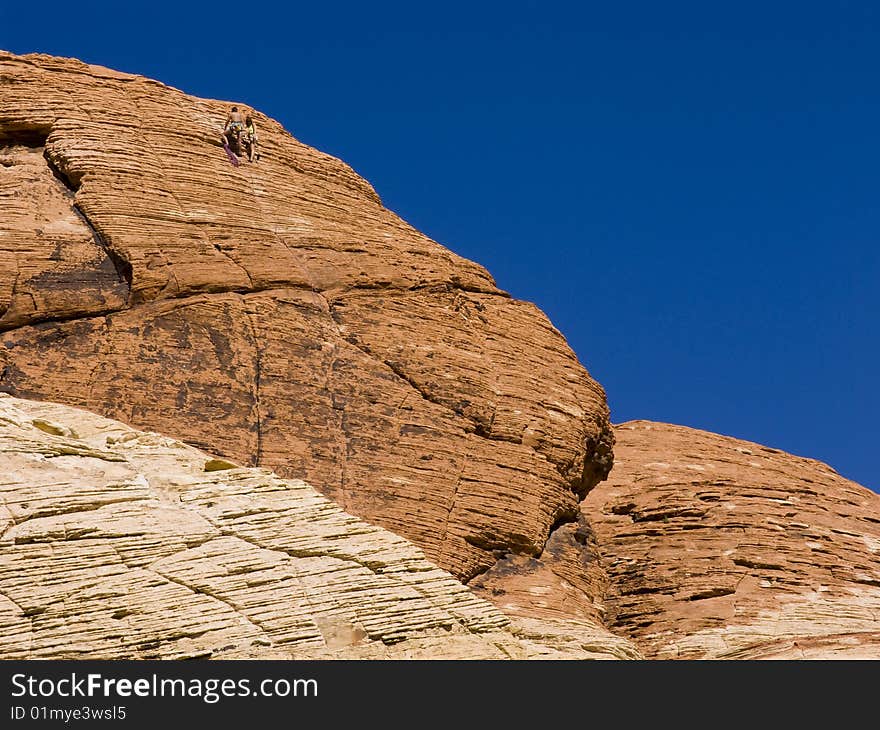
x: 720, y: 548
x: 277, y: 314
x: 116, y: 543
x: 51, y: 265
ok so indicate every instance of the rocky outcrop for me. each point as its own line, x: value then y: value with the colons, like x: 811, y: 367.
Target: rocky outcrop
x: 277, y: 316
x: 275, y: 313
x: 116, y: 543
x: 722, y: 548
x: 700, y: 546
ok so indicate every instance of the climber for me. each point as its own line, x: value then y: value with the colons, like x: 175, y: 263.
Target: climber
x: 233, y: 128
x: 250, y: 138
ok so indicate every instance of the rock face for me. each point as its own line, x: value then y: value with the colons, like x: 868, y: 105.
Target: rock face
x: 276, y: 314
x: 120, y: 544
x: 721, y: 548
x: 704, y: 546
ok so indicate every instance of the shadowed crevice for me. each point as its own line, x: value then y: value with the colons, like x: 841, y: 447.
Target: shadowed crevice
x: 34, y: 135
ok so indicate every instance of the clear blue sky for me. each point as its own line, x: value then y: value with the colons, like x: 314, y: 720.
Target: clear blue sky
x: 688, y: 189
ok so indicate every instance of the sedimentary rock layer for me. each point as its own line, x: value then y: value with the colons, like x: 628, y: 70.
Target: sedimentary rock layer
x: 717, y: 547
x: 276, y: 313
x: 116, y: 543
x: 704, y: 546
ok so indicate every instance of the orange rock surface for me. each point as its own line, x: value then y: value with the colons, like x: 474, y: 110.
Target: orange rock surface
x: 717, y: 547
x: 700, y: 546
x: 276, y: 313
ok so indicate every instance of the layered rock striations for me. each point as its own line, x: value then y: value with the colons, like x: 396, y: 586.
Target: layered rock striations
x: 721, y: 548
x: 276, y: 313
x: 278, y: 316
x: 700, y: 546
x: 120, y: 544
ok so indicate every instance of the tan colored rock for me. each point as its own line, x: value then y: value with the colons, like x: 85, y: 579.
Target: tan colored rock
x: 277, y: 315
x: 116, y: 543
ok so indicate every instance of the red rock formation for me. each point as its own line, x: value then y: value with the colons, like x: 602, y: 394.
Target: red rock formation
x: 277, y: 314
x: 704, y: 546
x: 717, y: 547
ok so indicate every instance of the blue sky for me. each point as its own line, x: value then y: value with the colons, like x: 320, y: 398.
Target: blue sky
x: 688, y: 189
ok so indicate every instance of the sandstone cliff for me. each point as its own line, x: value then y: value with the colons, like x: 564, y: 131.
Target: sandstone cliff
x: 277, y: 314
x: 116, y: 543
x: 700, y: 546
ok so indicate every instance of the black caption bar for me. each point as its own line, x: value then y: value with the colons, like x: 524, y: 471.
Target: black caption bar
x: 242, y: 694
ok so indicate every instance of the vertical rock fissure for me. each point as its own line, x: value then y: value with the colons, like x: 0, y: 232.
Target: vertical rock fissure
x: 13, y: 290
x: 452, y: 502
x: 257, y: 404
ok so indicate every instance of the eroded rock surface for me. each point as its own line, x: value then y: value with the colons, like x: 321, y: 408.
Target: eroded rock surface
x: 704, y: 546
x: 717, y: 547
x: 116, y: 543
x: 278, y: 315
